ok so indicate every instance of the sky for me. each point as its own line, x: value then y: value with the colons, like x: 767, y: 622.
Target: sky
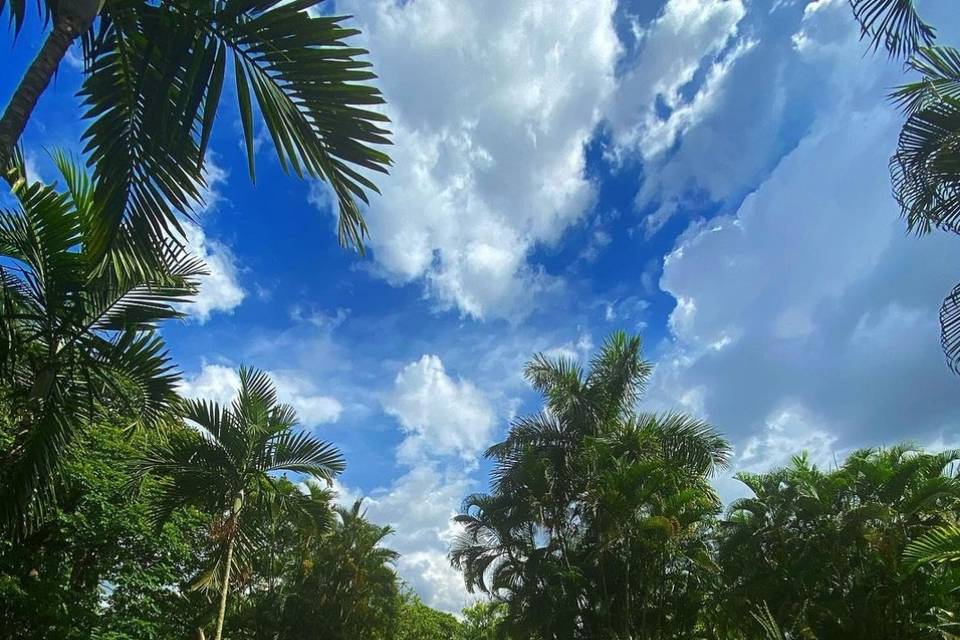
x: 710, y: 174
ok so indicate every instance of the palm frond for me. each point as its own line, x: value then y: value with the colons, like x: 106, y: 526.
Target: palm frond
x: 302, y: 453
x: 153, y: 89
x: 950, y: 329
x: 940, y: 68
x: 768, y: 624
x: 137, y: 369
x: 926, y: 168
x: 895, y: 24
x: 938, y: 546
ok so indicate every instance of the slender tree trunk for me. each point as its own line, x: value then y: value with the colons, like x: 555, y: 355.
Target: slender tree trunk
x: 73, y: 18
x: 221, y: 614
x: 234, y: 517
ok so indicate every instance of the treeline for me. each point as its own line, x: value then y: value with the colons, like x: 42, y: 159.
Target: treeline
x: 602, y: 522
x: 98, y: 567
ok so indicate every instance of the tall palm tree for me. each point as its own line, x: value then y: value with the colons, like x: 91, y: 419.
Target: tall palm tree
x: 76, y: 333
x: 597, y: 515
x: 154, y: 74
x: 226, y: 466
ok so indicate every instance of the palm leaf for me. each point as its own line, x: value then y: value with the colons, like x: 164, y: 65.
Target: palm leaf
x: 153, y: 88
x: 938, y: 546
x: 895, y: 24
x: 950, y: 329
x: 926, y: 168
x: 302, y: 453
x: 940, y: 67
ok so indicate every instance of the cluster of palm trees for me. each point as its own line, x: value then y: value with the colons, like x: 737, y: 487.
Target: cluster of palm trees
x: 602, y: 522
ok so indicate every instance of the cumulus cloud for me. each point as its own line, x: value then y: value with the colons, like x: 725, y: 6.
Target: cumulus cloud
x: 688, y: 38
x: 807, y: 319
x: 440, y: 416
x: 220, y: 288
x: 420, y: 505
x: 766, y: 69
x: 491, y: 104
x: 221, y: 383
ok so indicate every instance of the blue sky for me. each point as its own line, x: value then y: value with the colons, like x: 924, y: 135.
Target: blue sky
x: 709, y: 173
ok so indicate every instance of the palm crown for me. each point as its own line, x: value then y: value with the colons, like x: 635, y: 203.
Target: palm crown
x: 588, y: 496
x: 77, y: 332
x: 228, y: 464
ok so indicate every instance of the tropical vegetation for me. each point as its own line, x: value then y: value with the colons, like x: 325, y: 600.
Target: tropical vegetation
x: 602, y: 522
x: 154, y: 75
x: 130, y: 511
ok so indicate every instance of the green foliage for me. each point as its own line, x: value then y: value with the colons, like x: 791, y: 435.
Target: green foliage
x: 154, y: 78
x: 597, y: 524
x: 417, y: 621
x: 342, y: 586
x: 824, y: 550
x: 96, y: 567
x: 77, y: 332
x: 482, y: 621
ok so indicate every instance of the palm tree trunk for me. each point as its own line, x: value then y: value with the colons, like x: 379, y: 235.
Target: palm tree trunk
x: 232, y: 529
x: 221, y: 614
x: 73, y: 18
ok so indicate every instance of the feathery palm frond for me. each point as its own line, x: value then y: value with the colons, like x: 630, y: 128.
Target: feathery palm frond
x: 938, y: 546
x: 940, y: 68
x: 153, y: 88
x: 76, y: 336
x: 950, y: 328
x: 895, y: 24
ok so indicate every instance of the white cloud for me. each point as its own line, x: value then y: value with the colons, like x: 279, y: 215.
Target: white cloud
x: 687, y: 38
x: 491, y: 104
x: 808, y: 318
x: 312, y: 407
x: 751, y: 99
x: 420, y: 505
x: 221, y: 383
x: 214, y: 382
x: 220, y: 288
x: 441, y: 416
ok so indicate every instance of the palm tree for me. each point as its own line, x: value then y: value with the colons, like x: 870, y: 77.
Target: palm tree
x: 226, y: 466
x: 154, y: 73
x: 77, y: 333
x: 596, y: 520
x: 346, y: 586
